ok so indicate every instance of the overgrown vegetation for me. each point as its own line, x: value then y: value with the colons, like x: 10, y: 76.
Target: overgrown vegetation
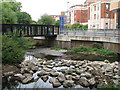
x: 76, y: 25
x: 98, y: 48
x: 81, y: 48
x: 13, y: 49
x: 109, y: 85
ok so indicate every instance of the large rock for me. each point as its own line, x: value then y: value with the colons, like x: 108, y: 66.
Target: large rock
x: 34, y: 68
x: 54, y: 74
x: 79, y: 71
x: 47, y: 69
x: 8, y: 74
x: 76, y: 78
x: 69, y: 77
x: 92, y: 81
x: 55, y: 82
x: 83, y: 81
x: 20, y: 77
x: 68, y: 83
x: 61, y: 77
x: 28, y: 79
x: 44, y: 78
x: 86, y: 74
x: 42, y: 73
x: 25, y: 70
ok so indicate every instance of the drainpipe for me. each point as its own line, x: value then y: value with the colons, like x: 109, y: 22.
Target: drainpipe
x: 118, y: 19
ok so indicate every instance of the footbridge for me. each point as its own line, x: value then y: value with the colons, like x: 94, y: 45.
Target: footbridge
x: 65, y: 38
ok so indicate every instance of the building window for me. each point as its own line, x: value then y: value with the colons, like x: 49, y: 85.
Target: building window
x: 107, y: 6
x: 94, y: 8
x: 107, y: 15
x: 94, y: 16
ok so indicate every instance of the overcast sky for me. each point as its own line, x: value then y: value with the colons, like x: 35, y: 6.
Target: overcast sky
x: 36, y: 8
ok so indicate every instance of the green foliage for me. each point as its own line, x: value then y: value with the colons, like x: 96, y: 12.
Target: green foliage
x: 99, y: 50
x: 24, y: 42
x: 46, y: 20
x: 81, y: 48
x: 76, y: 25
x: 97, y: 45
x: 12, y: 52
x: 56, y: 48
x: 11, y: 13
x: 109, y: 85
x: 23, y: 18
x: 57, y: 22
x: 105, y: 52
x: 13, y: 49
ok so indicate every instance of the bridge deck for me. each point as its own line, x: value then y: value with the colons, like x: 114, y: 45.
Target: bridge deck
x: 29, y: 30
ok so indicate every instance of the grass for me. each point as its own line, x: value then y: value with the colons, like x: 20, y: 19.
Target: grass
x: 100, y: 51
x: 81, y: 48
x: 105, y: 52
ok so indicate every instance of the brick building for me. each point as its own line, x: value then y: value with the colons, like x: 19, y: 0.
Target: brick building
x: 95, y: 13
x: 79, y: 14
x: 56, y: 17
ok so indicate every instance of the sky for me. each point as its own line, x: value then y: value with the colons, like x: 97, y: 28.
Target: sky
x: 36, y: 8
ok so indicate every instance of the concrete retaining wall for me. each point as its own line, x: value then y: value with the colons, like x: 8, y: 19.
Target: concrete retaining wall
x: 73, y: 41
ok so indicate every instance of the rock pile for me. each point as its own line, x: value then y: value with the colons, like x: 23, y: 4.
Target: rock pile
x: 85, y: 73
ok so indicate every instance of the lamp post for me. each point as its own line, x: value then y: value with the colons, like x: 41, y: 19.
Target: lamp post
x: 67, y: 13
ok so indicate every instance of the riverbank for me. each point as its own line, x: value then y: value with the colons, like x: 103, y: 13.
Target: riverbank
x: 52, y: 68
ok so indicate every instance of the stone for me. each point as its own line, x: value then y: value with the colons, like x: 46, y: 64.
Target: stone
x: 79, y: 71
x: 86, y: 74
x: 92, y: 81
x: 106, y: 61
x: 68, y: 77
x: 116, y: 77
x: 44, y: 78
x: 24, y: 70
x: 20, y: 77
x: 54, y: 74
x: 68, y: 83
x: 28, y: 79
x: 76, y: 78
x: 34, y: 69
x: 61, y: 77
x: 83, y: 81
x: 8, y: 74
x: 49, y: 66
x: 47, y: 69
x: 55, y: 82
x: 42, y: 73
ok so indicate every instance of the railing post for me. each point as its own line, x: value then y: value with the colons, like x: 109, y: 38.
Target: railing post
x: 53, y: 30
x: 104, y: 32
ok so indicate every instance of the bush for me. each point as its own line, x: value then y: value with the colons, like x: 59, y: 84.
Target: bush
x: 97, y: 45
x: 81, y: 48
x: 12, y: 52
x: 24, y: 42
x: 105, y: 52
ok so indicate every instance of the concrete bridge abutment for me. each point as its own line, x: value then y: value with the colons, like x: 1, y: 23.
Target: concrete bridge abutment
x: 65, y: 41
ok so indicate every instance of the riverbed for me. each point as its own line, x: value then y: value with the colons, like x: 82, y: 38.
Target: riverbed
x: 42, y: 62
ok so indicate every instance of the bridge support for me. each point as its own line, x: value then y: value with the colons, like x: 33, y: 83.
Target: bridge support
x: 65, y: 41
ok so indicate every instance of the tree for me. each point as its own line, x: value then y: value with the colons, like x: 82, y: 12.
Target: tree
x: 57, y: 22
x: 23, y: 18
x: 9, y: 11
x: 46, y: 20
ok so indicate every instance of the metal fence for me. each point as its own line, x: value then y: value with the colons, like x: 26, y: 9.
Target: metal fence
x: 92, y: 32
